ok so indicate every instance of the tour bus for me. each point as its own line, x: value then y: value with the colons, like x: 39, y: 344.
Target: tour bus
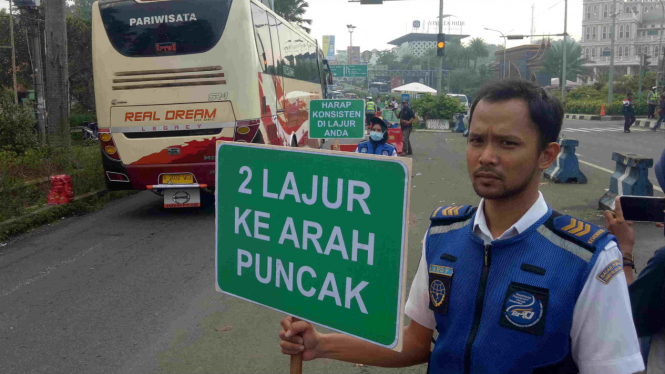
x: 377, y: 88
x: 172, y: 77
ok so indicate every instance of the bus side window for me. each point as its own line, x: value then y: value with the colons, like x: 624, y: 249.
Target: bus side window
x: 278, y: 59
x: 262, y: 32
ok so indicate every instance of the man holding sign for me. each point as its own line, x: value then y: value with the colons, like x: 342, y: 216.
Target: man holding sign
x: 512, y: 287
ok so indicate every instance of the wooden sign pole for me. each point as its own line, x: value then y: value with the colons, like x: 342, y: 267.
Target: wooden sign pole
x: 296, y: 360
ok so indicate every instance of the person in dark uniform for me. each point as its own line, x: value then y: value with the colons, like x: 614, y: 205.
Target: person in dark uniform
x: 406, y: 117
x: 512, y: 286
x: 378, y: 140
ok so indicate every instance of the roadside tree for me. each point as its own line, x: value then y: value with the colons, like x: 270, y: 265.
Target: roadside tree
x: 293, y: 11
x: 553, y: 63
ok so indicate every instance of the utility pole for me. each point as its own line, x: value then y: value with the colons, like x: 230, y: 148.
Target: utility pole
x: 11, y: 32
x: 565, y: 47
x: 438, y: 85
x: 660, y: 49
x: 57, y: 92
x: 612, y: 36
x: 38, y: 72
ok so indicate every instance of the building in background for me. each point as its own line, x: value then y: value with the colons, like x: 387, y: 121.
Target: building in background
x: 353, y: 54
x: 417, y: 44
x: 524, y: 61
x: 639, y: 25
x: 341, y: 58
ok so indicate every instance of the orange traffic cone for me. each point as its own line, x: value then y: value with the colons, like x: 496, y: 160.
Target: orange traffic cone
x: 602, y: 110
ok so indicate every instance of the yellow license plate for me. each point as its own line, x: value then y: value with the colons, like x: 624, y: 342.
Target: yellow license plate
x: 178, y: 179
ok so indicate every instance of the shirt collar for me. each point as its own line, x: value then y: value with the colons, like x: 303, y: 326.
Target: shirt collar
x: 537, y: 210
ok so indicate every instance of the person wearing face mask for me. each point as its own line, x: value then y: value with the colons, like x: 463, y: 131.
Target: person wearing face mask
x: 378, y: 140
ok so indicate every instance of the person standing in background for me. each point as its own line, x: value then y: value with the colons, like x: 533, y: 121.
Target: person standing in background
x: 652, y: 101
x: 406, y: 118
x: 660, y: 112
x: 628, y: 111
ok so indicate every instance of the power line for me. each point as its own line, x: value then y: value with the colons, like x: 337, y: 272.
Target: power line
x: 545, y: 11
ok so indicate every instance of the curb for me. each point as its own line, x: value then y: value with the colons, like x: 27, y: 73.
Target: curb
x: 592, y: 117
x: 439, y: 131
x: 98, y: 193
x: 649, y: 123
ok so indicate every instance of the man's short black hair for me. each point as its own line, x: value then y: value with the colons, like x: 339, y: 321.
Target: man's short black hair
x: 545, y: 110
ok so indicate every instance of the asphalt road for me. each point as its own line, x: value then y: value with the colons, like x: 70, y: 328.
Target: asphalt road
x: 130, y: 288
x: 598, y: 139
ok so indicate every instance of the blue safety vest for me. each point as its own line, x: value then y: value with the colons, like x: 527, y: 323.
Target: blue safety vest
x: 507, y: 307
x: 385, y: 149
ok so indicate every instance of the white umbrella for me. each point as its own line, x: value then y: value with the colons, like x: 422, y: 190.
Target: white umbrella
x: 414, y: 87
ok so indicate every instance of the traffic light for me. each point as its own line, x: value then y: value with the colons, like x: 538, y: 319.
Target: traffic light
x: 645, y: 60
x: 440, y: 44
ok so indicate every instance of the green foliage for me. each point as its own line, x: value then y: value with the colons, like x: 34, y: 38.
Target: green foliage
x: 23, y: 66
x: 436, y: 107
x: 293, y: 11
x: 594, y: 106
x: 79, y: 57
x: 79, y: 119
x: 17, y: 168
x: 553, y: 62
x: 16, y: 125
x: 478, y: 50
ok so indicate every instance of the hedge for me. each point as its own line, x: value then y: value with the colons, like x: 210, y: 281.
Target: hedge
x: 594, y: 106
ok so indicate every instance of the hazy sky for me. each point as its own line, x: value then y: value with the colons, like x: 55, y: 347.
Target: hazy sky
x: 379, y: 24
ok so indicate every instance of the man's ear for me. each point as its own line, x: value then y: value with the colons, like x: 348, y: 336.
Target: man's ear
x: 549, y: 155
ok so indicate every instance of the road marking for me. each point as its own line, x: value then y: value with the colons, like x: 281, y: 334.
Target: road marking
x: 607, y: 170
x: 621, y: 178
x: 48, y: 271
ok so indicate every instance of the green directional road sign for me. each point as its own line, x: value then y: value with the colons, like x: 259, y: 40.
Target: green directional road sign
x: 355, y: 71
x: 337, y: 70
x: 318, y: 235
x: 337, y: 119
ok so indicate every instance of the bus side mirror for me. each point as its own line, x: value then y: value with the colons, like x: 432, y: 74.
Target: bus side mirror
x: 325, y: 61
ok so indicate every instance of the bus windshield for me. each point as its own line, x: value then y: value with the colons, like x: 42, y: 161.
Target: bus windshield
x: 164, y: 27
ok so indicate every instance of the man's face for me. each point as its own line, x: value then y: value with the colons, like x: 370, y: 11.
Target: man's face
x: 404, y: 104
x: 502, y: 151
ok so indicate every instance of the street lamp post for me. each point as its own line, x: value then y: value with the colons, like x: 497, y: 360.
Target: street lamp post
x: 504, y: 50
x: 351, y: 29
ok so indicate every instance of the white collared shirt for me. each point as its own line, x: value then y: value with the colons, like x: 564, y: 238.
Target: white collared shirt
x: 603, y: 337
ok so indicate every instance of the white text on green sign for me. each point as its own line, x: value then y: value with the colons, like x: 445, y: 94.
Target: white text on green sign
x: 336, y: 119
x: 314, y: 235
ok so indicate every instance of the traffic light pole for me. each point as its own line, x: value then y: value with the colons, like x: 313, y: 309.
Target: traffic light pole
x: 438, y: 85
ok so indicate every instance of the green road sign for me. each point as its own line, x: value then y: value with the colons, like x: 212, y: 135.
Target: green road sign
x: 355, y: 71
x: 337, y: 119
x: 337, y: 70
x: 319, y: 235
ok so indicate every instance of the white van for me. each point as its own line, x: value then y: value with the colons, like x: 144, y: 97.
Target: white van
x: 464, y: 100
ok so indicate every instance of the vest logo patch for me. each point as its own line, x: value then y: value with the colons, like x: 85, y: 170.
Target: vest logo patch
x: 440, y: 278
x: 612, y: 269
x: 524, y: 308
x: 384, y: 153
x: 363, y: 150
x: 437, y: 291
